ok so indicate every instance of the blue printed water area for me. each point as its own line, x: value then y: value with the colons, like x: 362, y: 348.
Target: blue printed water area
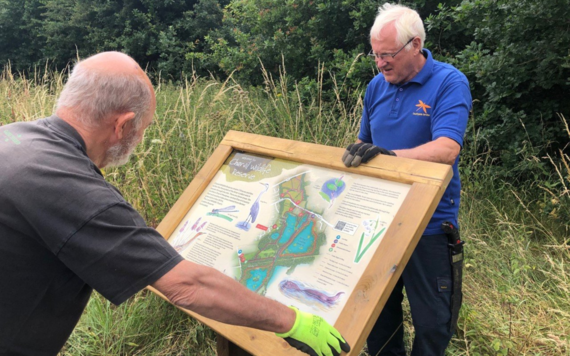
x: 257, y: 276
x: 333, y: 187
x: 289, y: 230
x: 303, y: 241
x: 277, y: 274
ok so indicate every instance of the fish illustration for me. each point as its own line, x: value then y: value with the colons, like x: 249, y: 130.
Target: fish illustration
x: 297, y: 289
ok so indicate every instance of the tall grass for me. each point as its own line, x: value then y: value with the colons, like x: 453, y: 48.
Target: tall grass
x: 517, y: 270
x: 518, y: 259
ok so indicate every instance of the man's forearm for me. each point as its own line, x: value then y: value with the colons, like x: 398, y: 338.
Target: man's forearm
x: 443, y: 150
x: 214, y: 295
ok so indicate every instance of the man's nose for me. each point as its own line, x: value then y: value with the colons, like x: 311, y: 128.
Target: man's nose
x: 380, y: 62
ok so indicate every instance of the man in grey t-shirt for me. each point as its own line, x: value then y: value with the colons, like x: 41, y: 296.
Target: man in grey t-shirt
x: 65, y: 231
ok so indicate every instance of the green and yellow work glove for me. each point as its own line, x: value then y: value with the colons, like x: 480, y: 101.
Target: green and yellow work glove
x: 313, y: 335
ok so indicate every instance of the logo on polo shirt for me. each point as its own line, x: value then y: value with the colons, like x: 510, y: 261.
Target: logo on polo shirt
x: 422, y: 109
x: 10, y: 137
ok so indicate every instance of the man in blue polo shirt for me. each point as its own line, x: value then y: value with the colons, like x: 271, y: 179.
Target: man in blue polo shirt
x: 415, y: 108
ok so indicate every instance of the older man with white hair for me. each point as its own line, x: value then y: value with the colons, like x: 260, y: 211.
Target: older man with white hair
x: 65, y: 231
x: 416, y: 108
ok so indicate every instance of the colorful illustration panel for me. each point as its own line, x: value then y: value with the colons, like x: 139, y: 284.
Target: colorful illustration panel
x: 300, y: 234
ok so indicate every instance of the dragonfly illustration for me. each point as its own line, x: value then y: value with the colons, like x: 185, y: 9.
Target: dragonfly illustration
x: 227, y: 209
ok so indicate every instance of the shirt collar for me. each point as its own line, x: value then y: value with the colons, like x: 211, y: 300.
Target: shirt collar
x: 63, y: 127
x: 427, y: 70
x: 58, y: 124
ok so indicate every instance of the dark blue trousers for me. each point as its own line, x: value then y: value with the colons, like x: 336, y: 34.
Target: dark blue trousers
x: 428, y: 282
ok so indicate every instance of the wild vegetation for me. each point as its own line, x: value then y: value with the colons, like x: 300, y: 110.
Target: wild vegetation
x: 296, y: 69
x: 514, y: 53
x: 518, y: 256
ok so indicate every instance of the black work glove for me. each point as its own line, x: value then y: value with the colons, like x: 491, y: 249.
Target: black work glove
x: 357, y: 153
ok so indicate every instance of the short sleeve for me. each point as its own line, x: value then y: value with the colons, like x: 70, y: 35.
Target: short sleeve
x: 117, y: 254
x: 452, y: 110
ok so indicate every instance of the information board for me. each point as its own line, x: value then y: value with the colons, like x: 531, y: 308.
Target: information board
x: 287, y: 220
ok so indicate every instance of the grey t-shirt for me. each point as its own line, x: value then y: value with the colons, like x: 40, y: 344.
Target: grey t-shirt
x: 63, y: 232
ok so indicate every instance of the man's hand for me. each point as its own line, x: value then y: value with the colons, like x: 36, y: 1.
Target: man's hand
x: 357, y: 153
x: 313, y: 335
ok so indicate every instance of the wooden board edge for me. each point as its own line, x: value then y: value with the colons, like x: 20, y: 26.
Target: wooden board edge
x: 381, y: 167
x: 404, y: 170
x: 193, y: 191
x: 254, y: 341
x: 361, y: 305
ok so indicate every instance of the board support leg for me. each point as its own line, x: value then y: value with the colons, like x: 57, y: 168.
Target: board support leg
x: 227, y: 348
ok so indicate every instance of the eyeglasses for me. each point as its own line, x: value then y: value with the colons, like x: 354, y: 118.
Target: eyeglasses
x: 383, y: 56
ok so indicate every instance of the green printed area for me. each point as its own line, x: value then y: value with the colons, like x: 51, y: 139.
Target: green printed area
x: 12, y: 137
x: 332, y: 189
x: 361, y: 252
x: 225, y: 217
x: 250, y: 255
x: 268, y: 253
x: 294, y: 239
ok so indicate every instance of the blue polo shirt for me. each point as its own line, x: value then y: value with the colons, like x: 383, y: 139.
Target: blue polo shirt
x: 435, y: 103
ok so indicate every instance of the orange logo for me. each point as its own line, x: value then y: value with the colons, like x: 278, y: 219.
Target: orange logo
x: 423, y: 106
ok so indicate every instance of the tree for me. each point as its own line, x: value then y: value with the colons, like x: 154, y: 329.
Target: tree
x: 19, y: 33
x: 159, y: 34
x: 301, y: 34
x: 519, y: 67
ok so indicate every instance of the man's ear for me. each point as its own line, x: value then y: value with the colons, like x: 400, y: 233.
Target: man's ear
x: 416, y: 44
x: 121, y: 123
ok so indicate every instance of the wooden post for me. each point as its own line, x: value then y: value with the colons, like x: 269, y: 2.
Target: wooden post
x: 227, y: 348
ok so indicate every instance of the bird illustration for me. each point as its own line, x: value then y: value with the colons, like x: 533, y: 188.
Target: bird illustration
x: 253, y: 211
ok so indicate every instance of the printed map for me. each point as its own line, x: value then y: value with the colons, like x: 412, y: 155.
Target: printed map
x: 296, y: 233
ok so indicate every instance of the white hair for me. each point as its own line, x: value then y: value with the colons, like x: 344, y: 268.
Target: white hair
x: 94, y: 95
x: 407, y: 22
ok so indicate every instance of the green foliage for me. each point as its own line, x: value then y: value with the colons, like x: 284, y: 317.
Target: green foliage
x: 514, y: 53
x: 517, y: 61
x: 158, y: 34
x: 19, y: 41
x: 300, y: 35
x: 517, y: 257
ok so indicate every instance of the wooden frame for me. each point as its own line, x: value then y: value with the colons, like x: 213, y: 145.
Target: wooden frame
x: 428, y: 182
